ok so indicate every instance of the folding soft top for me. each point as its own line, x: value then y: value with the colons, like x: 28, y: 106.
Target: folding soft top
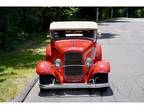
x: 73, y: 25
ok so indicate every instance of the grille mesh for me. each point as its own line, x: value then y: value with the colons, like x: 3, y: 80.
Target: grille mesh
x: 73, y: 62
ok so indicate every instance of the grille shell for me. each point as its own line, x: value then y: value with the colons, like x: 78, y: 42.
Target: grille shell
x: 73, y: 69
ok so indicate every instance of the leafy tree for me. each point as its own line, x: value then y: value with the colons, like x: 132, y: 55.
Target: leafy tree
x: 57, y: 14
x: 17, y: 24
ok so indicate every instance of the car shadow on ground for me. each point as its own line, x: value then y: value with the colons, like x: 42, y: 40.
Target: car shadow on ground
x: 76, y: 93
x: 108, y: 35
x: 116, y: 21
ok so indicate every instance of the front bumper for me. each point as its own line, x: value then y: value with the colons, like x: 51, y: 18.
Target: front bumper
x: 73, y: 86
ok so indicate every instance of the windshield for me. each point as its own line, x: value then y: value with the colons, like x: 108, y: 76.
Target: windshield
x: 73, y: 33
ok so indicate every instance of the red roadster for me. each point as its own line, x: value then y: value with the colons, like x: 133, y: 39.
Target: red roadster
x: 73, y: 58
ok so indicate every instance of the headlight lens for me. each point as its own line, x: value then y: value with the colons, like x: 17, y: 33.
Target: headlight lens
x: 88, y: 62
x: 58, y: 63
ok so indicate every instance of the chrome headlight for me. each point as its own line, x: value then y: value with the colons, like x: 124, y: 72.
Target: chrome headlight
x: 88, y: 62
x: 58, y: 63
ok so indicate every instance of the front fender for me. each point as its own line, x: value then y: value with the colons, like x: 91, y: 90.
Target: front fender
x: 102, y: 66
x: 45, y: 67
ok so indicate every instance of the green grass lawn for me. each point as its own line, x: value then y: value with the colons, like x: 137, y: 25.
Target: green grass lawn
x: 18, y: 67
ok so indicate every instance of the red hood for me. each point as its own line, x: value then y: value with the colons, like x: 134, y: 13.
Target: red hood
x: 72, y: 45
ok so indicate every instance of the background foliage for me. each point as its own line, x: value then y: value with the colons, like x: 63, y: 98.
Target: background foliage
x: 17, y: 24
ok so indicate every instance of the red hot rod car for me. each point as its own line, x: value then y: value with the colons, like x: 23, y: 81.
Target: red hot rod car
x: 73, y: 58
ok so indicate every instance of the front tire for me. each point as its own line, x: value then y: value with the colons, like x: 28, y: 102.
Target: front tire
x: 45, y: 80
x: 100, y: 78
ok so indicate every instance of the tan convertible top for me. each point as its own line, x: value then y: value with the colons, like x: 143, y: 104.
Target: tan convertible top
x: 73, y: 25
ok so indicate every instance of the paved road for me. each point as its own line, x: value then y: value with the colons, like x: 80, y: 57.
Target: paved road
x: 123, y: 45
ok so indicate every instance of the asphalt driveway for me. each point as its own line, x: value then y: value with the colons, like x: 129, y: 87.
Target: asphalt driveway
x: 123, y: 45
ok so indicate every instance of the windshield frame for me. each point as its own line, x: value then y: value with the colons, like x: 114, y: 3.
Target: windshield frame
x: 73, y: 37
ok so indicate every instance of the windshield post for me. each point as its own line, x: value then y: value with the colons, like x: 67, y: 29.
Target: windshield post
x: 95, y: 35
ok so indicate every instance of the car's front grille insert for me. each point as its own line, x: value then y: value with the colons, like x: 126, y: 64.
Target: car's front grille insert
x: 73, y: 65
x: 73, y: 58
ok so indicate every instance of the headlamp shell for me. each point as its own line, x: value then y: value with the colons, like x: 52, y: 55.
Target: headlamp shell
x: 58, y: 63
x: 88, y: 62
